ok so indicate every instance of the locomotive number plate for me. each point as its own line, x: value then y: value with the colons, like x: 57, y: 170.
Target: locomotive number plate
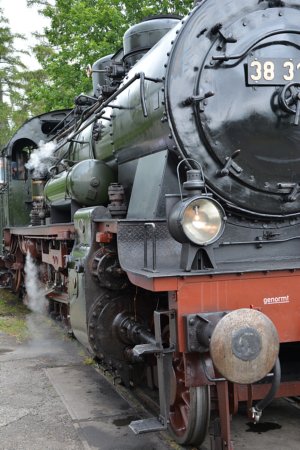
x: 275, y: 71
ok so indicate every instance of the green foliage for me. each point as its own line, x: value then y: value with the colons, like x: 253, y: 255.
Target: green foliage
x: 11, y: 305
x: 12, y: 110
x: 17, y: 85
x: 13, y: 316
x: 80, y: 32
x: 14, y: 327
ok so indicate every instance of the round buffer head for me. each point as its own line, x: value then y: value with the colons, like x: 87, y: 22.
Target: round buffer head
x: 244, y: 346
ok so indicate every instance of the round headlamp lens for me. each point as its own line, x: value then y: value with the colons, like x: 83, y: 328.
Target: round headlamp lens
x: 202, y: 221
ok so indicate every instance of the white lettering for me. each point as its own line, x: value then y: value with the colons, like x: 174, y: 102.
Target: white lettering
x: 274, y: 300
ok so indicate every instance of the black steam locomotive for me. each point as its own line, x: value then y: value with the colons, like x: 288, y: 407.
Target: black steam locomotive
x: 166, y: 225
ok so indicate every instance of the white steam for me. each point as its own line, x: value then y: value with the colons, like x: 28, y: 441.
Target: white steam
x: 37, y: 301
x: 41, y: 159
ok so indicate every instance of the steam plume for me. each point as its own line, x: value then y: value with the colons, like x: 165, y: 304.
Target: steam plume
x: 41, y: 159
x: 36, y: 296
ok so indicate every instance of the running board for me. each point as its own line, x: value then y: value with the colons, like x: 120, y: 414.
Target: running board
x: 164, y: 367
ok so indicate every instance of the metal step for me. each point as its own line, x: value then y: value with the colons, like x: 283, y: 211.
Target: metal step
x: 147, y: 425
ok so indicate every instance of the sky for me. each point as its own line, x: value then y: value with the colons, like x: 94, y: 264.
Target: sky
x: 24, y: 20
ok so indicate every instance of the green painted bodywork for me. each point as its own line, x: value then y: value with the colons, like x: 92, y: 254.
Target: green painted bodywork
x: 19, y: 202
x: 86, y: 183
x: 83, y: 220
x: 15, y: 204
x: 56, y: 190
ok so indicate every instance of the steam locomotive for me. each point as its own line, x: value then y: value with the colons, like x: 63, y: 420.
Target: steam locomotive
x: 166, y: 226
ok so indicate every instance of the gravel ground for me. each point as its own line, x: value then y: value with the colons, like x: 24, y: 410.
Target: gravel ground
x: 51, y: 400
x: 32, y: 416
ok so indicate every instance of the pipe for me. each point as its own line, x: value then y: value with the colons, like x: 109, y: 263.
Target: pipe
x: 256, y: 411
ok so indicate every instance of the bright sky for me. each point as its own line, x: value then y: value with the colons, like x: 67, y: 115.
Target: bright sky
x: 23, y: 20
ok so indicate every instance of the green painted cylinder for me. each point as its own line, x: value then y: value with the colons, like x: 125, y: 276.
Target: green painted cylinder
x: 86, y: 183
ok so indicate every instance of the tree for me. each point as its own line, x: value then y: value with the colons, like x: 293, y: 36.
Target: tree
x: 10, y: 82
x: 80, y: 32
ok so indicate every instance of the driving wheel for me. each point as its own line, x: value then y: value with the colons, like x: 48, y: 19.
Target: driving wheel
x: 189, y: 408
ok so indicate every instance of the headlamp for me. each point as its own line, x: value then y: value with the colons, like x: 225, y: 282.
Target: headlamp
x: 198, y: 219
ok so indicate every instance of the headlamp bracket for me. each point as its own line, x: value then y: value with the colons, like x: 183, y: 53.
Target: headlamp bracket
x: 195, y: 258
